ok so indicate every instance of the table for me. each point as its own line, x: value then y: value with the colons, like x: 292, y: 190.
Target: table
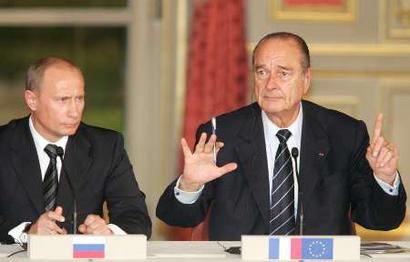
x: 201, y: 251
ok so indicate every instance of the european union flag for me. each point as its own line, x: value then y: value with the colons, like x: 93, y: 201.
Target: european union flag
x: 317, y: 248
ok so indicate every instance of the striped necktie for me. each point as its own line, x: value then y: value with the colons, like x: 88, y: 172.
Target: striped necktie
x: 50, y: 182
x: 282, y: 210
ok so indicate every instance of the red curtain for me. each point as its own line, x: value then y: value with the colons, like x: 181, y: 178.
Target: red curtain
x: 217, y: 79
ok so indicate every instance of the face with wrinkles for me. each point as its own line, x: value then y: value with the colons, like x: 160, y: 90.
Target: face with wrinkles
x: 57, y: 104
x: 280, y: 80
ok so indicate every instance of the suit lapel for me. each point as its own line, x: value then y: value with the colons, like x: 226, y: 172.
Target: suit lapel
x: 25, y: 161
x: 251, y: 151
x: 314, y: 150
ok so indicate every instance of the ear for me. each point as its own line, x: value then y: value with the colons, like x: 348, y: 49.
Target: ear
x: 30, y: 98
x: 307, y: 80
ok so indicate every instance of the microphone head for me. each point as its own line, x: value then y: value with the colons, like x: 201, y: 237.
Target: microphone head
x: 60, y: 151
x: 295, y: 152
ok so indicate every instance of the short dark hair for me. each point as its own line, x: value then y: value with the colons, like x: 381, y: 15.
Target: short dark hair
x: 304, y: 49
x: 35, y: 72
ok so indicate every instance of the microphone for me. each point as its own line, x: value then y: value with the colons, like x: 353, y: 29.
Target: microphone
x: 60, y: 153
x: 295, y: 154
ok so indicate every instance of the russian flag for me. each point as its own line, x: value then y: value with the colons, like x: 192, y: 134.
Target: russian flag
x: 287, y: 248
x: 88, y: 247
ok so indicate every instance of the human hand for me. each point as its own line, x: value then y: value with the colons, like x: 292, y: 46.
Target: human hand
x: 382, y: 155
x: 46, y: 223
x: 94, y: 225
x: 200, y: 167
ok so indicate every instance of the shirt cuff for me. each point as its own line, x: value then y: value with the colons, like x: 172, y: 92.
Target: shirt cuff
x: 391, y: 190
x: 116, y: 230
x: 16, y: 232
x: 186, y: 197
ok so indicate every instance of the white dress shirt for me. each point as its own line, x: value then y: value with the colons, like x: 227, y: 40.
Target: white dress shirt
x: 270, y: 130
x: 272, y: 142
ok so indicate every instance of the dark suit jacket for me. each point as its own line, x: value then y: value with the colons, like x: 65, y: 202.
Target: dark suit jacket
x: 99, y: 169
x: 336, y: 180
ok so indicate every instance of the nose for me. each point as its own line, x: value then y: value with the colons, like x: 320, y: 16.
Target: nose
x: 271, y: 82
x: 75, y: 108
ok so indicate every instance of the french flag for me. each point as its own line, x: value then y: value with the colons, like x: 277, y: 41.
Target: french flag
x: 88, y: 247
x: 300, y: 248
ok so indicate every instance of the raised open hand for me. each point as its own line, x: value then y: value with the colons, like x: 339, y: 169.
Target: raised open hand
x: 200, y: 167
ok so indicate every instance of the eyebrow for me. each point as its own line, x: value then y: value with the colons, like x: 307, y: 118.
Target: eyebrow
x: 285, y: 68
x: 260, y: 66
x: 68, y: 96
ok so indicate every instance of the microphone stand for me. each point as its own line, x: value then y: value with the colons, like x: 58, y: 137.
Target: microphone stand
x: 295, y: 154
x: 60, y: 153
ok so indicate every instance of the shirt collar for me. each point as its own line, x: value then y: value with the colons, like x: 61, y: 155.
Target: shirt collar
x: 295, y: 128
x: 40, y: 142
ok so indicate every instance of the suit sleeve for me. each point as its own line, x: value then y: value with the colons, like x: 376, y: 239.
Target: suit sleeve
x: 125, y: 202
x: 371, y: 207
x: 175, y: 213
x: 5, y: 227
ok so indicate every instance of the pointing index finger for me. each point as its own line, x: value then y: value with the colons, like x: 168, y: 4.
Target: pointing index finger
x: 377, y: 127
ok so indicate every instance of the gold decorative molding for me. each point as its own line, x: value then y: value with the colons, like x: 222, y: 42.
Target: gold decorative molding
x: 65, y: 17
x: 343, y: 103
x: 386, y: 50
x: 324, y: 73
x: 403, y: 12
x: 314, y: 13
x: 360, y: 49
x: 395, y: 19
x: 335, y: 100
x: 389, y: 89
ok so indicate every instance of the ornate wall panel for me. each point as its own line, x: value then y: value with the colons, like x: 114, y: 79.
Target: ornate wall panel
x: 316, y: 10
x: 395, y: 19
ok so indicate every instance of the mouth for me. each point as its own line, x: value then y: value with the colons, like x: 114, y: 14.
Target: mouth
x: 70, y: 125
x: 272, y: 97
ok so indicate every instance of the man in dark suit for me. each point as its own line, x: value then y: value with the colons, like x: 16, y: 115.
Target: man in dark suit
x: 252, y: 187
x: 50, y: 157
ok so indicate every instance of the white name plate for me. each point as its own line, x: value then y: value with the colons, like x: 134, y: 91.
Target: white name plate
x: 300, y: 247
x: 115, y: 247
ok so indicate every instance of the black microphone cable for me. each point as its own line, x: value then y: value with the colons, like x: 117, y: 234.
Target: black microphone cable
x: 60, y: 153
x: 295, y: 154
